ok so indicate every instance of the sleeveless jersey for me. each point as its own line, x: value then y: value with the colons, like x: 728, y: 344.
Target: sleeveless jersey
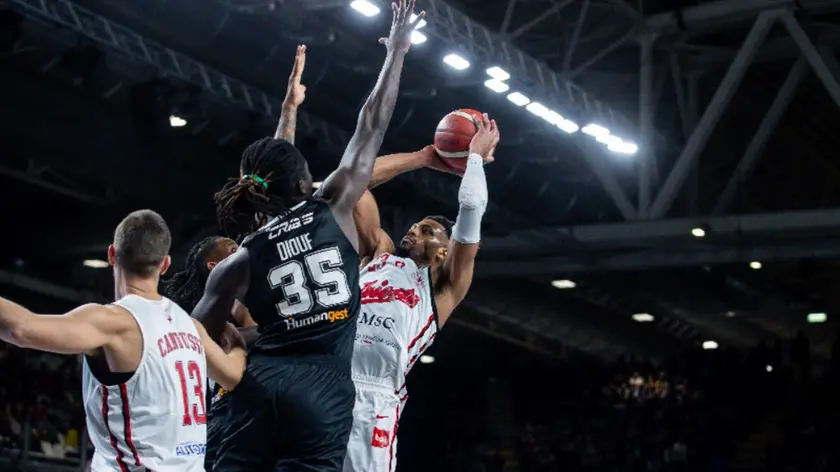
x: 155, y: 420
x: 398, y: 322
x: 304, y: 289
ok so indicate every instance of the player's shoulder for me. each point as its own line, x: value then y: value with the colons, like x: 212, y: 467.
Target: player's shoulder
x: 114, y: 317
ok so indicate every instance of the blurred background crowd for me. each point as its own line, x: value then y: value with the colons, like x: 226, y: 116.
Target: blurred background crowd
x: 710, y: 410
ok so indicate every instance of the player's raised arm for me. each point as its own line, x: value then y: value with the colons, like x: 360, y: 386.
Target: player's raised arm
x: 373, y: 240
x: 345, y: 186
x: 228, y: 282
x: 295, y: 94
x: 472, y: 202
x: 82, y: 330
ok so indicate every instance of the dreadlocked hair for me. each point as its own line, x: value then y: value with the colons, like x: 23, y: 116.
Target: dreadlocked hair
x: 268, y: 186
x: 186, y: 287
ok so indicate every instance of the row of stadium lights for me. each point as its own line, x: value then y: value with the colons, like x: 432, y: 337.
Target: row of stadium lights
x: 497, y: 83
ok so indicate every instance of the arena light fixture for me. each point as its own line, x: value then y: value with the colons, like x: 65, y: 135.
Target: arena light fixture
x: 568, y: 126
x: 595, y: 130
x: 518, y: 99
x: 176, y: 121
x: 609, y: 140
x: 709, y: 345
x: 497, y: 86
x: 365, y: 7
x: 698, y: 232
x: 768, y: 368
x: 456, y: 62
x: 498, y: 73
x: 817, y: 317
x: 643, y: 317
x: 421, y: 24
x: 563, y: 284
x: 624, y: 148
x: 426, y: 359
x: 537, y: 109
x: 418, y: 37
x: 316, y: 184
x: 729, y: 314
x: 755, y: 265
x: 95, y: 263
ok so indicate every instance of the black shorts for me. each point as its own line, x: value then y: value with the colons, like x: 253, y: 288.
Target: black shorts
x: 216, y: 425
x: 288, y: 414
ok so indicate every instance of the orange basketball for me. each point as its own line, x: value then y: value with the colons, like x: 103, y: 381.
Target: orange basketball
x: 453, y: 136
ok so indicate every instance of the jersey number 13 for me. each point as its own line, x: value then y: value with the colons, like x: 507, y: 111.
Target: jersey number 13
x: 319, y: 278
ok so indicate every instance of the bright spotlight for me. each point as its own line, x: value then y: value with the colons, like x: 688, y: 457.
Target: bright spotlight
x: 177, y: 121
x: 418, y: 37
x: 563, y: 284
x: 538, y: 109
x: 698, y: 232
x: 568, y: 126
x: 316, y: 185
x: 497, y: 86
x: 365, y: 8
x: 643, y: 317
x: 755, y: 265
x: 518, y: 99
x: 456, y: 62
x: 709, y: 345
x: 624, y: 148
x: 595, y: 130
x: 498, y: 73
x: 817, y: 317
x: 426, y: 359
x: 95, y: 263
x: 609, y: 140
x: 769, y: 368
x: 421, y: 24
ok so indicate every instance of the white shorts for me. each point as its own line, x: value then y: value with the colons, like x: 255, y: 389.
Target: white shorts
x: 373, y: 439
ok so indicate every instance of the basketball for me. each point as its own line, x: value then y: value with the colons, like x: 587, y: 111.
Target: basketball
x: 453, y: 136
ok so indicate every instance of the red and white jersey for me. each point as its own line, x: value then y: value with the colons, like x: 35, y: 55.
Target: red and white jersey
x: 156, y: 419
x: 397, y: 322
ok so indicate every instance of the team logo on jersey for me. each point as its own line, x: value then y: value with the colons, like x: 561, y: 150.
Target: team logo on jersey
x: 381, y: 438
x: 329, y: 316
x: 382, y: 292
x: 190, y: 449
x: 376, y: 321
x: 291, y: 224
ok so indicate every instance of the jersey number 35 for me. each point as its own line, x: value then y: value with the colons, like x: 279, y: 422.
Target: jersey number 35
x: 319, y: 278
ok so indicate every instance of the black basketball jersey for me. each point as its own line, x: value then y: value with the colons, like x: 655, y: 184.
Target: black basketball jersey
x: 304, y: 289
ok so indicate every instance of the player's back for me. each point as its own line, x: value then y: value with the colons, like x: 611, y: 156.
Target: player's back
x: 154, y: 418
x: 304, y: 289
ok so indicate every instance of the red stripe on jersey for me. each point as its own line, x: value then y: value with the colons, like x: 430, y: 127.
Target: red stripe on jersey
x: 393, y: 440
x: 127, y: 419
x: 422, y: 331
x: 111, y: 437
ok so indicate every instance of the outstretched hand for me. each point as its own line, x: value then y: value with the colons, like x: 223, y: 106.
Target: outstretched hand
x: 402, y: 25
x: 485, y: 140
x: 296, y: 92
x: 431, y: 160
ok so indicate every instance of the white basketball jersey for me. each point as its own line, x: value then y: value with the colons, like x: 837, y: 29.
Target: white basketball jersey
x: 156, y: 419
x: 397, y: 322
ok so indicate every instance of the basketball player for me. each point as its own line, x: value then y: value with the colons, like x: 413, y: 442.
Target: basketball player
x: 298, y: 276
x: 408, y: 294
x: 185, y: 288
x: 144, y: 369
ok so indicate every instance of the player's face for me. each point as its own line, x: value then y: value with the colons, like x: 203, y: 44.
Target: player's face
x: 425, y: 241
x: 224, y: 248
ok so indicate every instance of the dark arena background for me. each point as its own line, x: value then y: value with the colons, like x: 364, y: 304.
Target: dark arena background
x: 658, y: 292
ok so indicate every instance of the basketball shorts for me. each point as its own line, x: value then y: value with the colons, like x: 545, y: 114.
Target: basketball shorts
x: 288, y: 414
x: 216, y: 425
x: 373, y: 439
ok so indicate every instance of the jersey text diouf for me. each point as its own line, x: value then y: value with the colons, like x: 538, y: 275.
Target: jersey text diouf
x: 304, y: 290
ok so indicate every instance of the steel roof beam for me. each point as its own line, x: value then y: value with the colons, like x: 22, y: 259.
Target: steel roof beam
x: 645, y: 259
x: 722, y: 14
x: 813, y: 56
x: 720, y: 100
x: 757, y: 144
